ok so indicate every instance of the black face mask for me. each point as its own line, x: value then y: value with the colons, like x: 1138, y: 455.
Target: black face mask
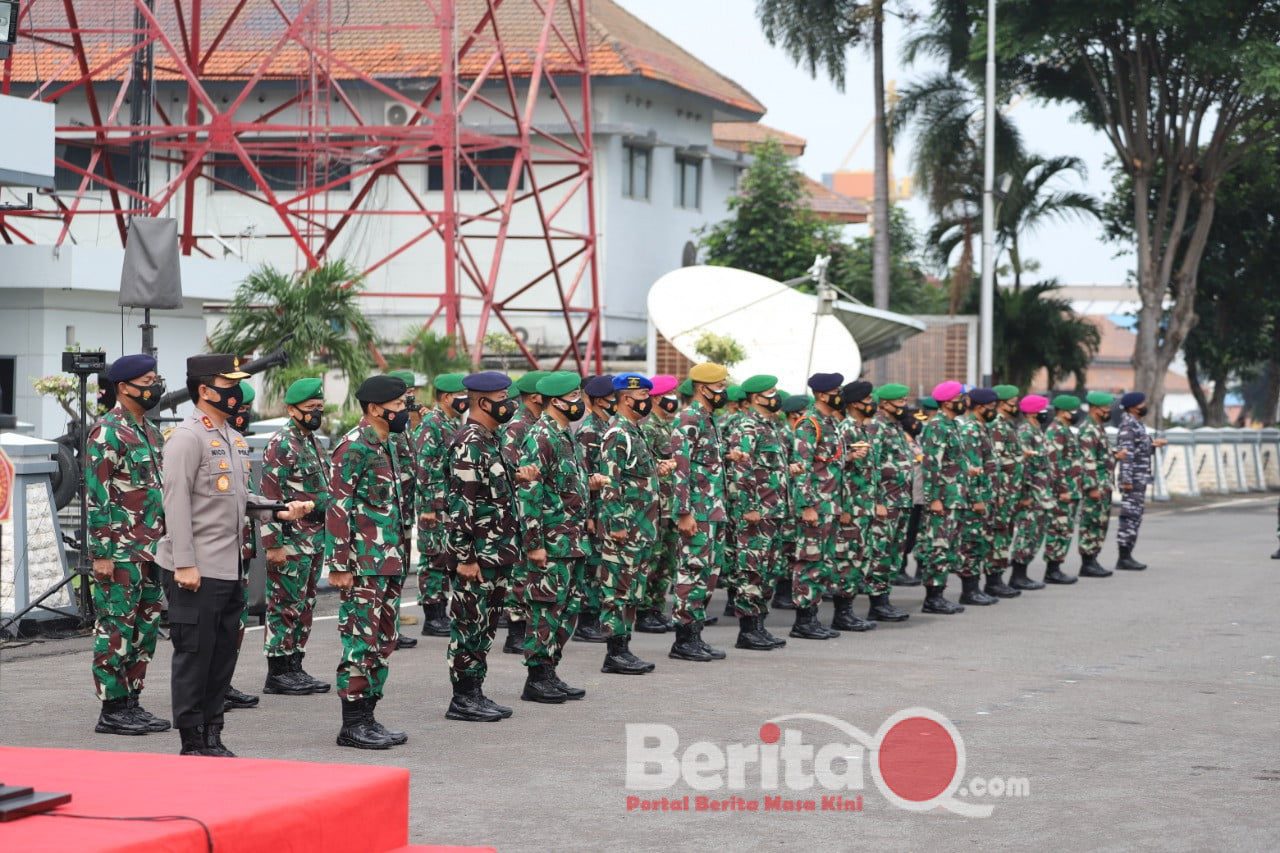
x: 866, y: 408
x: 311, y: 420
x: 396, y: 421
x: 771, y: 403
x: 148, y: 396
x: 986, y: 413
x: 642, y: 407
x: 240, y: 420
x: 228, y: 401
x: 668, y: 404
x: 459, y: 405
x: 501, y: 411
x: 609, y: 407
x: 1077, y: 418
x: 572, y: 409
x: 894, y: 412
x: 717, y: 399
x: 959, y: 408
x: 1142, y: 411
x: 911, y: 425
x: 835, y: 401
x: 1044, y: 417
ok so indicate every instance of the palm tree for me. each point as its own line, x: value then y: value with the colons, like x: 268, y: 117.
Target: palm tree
x: 819, y: 33
x: 319, y: 307
x: 1036, y: 329
x: 430, y: 354
x: 1034, y: 200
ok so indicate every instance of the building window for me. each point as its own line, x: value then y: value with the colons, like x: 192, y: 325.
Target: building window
x: 493, y: 167
x: 688, y: 182
x: 282, y: 172
x: 635, y: 171
x: 79, y: 156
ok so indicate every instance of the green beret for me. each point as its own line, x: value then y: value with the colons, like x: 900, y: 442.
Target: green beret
x: 528, y: 384
x: 1066, y: 402
x: 1005, y: 392
x: 892, y: 391
x: 686, y: 388
x: 796, y: 403
x: 759, y: 384
x: 311, y: 388
x: 449, y: 383
x: 736, y: 394
x: 405, y: 376
x: 1100, y: 398
x: 246, y: 393
x: 559, y: 383
x: 928, y: 404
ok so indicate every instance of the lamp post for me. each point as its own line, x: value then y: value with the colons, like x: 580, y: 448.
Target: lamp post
x: 987, y: 317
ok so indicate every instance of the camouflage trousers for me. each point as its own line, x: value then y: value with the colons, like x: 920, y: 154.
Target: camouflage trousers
x: 697, y: 573
x: 622, y: 587
x: 663, y: 559
x: 852, y: 550
x: 886, y: 537
x: 759, y: 562
x: 936, y: 548
x: 514, y: 605
x: 588, y: 585
x: 1061, y: 525
x: 1028, y: 533
x: 473, y: 610
x: 1002, y: 525
x: 368, y: 616
x: 433, y: 569
x: 552, y: 605
x: 124, y: 635
x: 1095, y: 518
x: 975, y: 544
x: 291, y: 600
x: 1131, y: 510
x: 814, y: 571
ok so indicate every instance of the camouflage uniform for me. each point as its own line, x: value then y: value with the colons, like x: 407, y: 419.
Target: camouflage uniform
x: 853, y: 548
x: 364, y: 535
x: 432, y: 438
x: 727, y: 568
x: 1095, y: 513
x: 511, y: 439
x: 294, y: 468
x: 1066, y: 469
x: 1008, y: 488
x: 1135, y: 471
x: 553, y: 517
x: 1031, y: 520
x: 587, y: 585
x: 126, y: 520
x: 698, y: 486
x: 628, y: 504
x: 760, y: 483
x: 481, y: 527
x: 819, y: 448
x: 975, y: 532
x: 666, y: 549
x: 945, y: 479
x: 891, y: 460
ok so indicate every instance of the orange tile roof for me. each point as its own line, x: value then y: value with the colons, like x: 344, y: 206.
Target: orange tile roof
x: 832, y: 206
x: 741, y: 135
x: 383, y: 38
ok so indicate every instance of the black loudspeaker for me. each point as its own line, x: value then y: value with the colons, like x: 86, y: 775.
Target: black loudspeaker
x: 151, y: 276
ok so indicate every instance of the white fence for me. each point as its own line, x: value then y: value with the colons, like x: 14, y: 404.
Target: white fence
x: 1217, y: 462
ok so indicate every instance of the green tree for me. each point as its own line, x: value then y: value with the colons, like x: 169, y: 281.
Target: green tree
x: 320, y: 307
x: 1035, y: 329
x: 911, y: 289
x: 430, y: 354
x: 722, y: 349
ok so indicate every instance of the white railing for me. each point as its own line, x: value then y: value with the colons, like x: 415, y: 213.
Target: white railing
x: 1210, y: 461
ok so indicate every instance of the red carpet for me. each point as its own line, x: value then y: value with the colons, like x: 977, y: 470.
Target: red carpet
x: 248, y: 804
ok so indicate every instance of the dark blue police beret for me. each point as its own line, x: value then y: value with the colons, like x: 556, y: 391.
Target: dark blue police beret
x: 599, y: 386
x: 983, y: 396
x: 1133, y: 398
x: 486, y: 380
x: 823, y: 382
x: 128, y: 367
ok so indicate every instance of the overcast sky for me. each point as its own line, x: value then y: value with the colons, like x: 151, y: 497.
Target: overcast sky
x: 726, y: 35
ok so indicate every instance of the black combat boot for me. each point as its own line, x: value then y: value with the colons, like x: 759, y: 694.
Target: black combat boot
x: 193, y: 741
x: 503, y: 710
x: 651, y: 622
x: 996, y: 586
x: 1128, y: 564
x: 317, y: 686
x: 936, y: 602
x: 730, y: 610
x: 404, y: 641
x: 1053, y: 573
x: 777, y: 642
x: 213, y: 744
x: 750, y: 636
x: 436, y: 623
x: 282, y: 680
x: 235, y: 700
x: 396, y: 737
x: 807, y: 626
x: 972, y: 594
x: 116, y: 718
x: 148, y: 719
x: 686, y: 646
x: 468, y: 704
x: 619, y: 660
x: 589, y: 629
x: 715, y: 653
x: 358, y: 730
x: 782, y: 599
x: 539, y: 686
x: 903, y: 578
x: 883, y: 611
x: 846, y: 620
x: 1091, y: 568
x: 515, y: 638
x: 571, y: 693
x: 1019, y: 580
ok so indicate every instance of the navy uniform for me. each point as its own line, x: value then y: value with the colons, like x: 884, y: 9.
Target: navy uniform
x: 1135, y: 450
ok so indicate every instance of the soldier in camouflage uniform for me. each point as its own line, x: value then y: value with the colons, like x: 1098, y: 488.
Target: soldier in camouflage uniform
x: 794, y: 407
x: 700, y: 512
x: 726, y: 421
x: 125, y: 521
x: 891, y: 461
x: 1035, y: 498
x: 1066, y: 469
x: 554, y: 509
x: 366, y: 552
x: 432, y: 441
x: 1095, y: 501
x: 602, y: 403
x: 1008, y: 488
x: 407, y: 450
x: 629, y: 502
x: 760, y: 501
x: 1135, y: 450
x: 945, y: 483
x: 482, y: 534
x: 511, y: 438
x: 657, y: 429
x: 854, y: 552
x: 294, y: 467
x: 975, y: 521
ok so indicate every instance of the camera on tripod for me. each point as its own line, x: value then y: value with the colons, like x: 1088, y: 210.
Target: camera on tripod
x: 84, y: 363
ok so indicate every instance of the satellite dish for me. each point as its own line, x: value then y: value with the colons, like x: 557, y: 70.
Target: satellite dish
x: 774, y: 323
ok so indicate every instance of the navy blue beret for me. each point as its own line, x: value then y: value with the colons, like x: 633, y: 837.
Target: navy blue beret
x: 486, y: 380
x: 1133, y: 398
x: 856, y: 392
x: 823, y: 382
x: 599, y: 386
x: 983, y: 396
x: 128, y: 367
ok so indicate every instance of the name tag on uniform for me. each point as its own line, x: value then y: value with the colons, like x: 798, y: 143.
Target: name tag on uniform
x: 223, y: 483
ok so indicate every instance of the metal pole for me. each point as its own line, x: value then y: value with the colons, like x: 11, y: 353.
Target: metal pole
x: 986, y: 334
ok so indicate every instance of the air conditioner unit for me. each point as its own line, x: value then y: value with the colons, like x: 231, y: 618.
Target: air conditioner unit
x: 396, y: 114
